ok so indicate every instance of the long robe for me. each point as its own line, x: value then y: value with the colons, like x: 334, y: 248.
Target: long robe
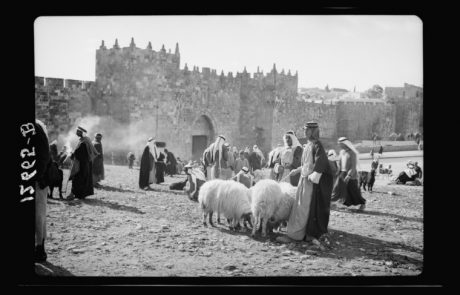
x: 147, y: 169
x: 82, y: 181
x: 310, y: 212
x: 348, y: 192
x: 171, y: 166
x: 98, y: 163
x: 160, y: 168
x: 254, y: 161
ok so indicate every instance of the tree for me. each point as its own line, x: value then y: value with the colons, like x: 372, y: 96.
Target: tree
x: 375, y: 92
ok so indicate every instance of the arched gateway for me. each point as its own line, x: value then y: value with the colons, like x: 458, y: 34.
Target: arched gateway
x: 202, y: 136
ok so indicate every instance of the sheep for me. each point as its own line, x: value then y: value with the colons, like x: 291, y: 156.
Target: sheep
x: 283, y: 212
x: 261, y: 174
x: 208, y: 199
x: 271, y: 202
x: 233, y: 202
x: 266, y: 197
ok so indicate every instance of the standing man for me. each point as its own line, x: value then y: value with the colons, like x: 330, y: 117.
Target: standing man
x: 81, y: 173
x: 131, y: 159
x: 98, y: 164
x: 147, y: 165
x: 171, y: 163
x: 291, y: 156
x: 347, y: 189
x: 230, y: 162
x: 43, y: 158
x: 241, y: 162
x: 309, y: 217
x: 255, y: 160
x: 219, y: 157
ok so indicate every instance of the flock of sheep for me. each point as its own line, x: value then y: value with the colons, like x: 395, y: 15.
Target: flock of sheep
x: 267, y: 202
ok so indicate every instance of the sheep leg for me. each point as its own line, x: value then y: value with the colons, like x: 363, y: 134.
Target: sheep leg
x: 204, y: 218
x: 235, y: 223
x: 218, y: 218
x: 264, y: 227
x: 210, y: 219
x: 254, y: 228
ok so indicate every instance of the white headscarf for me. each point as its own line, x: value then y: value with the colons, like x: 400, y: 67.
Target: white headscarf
x: 294, y: 139
x: 348, y: 143
x: 153, y: 149
x: 218, y: 144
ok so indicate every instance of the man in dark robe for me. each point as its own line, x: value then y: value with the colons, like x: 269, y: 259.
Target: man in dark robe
x: 54, y: 151
x: 171, y: 163
x: 147, y: 165
x: 160, y: 168
x: 81, y: 173
x: 254, y: 161
x: 98, y: 163
x: 309, y: 217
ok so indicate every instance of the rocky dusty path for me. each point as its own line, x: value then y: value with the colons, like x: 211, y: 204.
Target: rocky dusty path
x: 124, y: 231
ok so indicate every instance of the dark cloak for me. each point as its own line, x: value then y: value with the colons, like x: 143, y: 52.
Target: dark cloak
x: 82, y: 181
x: 171, y: 166
x: 296, y: 162
x: 98, y: 162
x: 160, y: 168
x: 145, y: 167
x: 320, y: 205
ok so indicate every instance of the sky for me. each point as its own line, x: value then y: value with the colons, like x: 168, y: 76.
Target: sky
x: 341, y: 51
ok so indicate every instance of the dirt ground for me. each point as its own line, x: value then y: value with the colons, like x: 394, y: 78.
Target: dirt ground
x: 124, y: 231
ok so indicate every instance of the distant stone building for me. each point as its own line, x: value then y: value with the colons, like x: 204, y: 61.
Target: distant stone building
x: 187, y: 108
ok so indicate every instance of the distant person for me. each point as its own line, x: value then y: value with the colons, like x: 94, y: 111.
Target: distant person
x: 254, y: 161
x: 334, y: 164
x: 131, y: 157
x: 207, y: 161
x: 62, y: 157
x: 196, y: 179
x: 219, y: 157
x: 260, y: 154
x: 54, y: 151
x: 347, y: 189
x: 160, y: 167
x: 230, y: 162
x: 81, y: 173
x: 241, y: 162
x: 43, y: 158
x: 171, y: 163
x: 409, y: 174
x: 180, y: 166
x: 244, y: 177
x: 381, y: 150
x: 98, y: 163
x: 147, y: 165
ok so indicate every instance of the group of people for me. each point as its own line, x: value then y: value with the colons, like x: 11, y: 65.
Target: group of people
x: 413, y: 173
x: 87, y: 170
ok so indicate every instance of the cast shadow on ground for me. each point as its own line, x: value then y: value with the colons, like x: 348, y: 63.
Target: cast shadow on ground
x: 350, y: 245
x: 44, y: 269
x: 114, y: 189
x: 367, y: 212
x: 111, y: 205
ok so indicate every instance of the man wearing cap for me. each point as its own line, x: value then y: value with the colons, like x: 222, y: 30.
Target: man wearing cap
x: 219, y: 157
x: 196, y: 179
x: 81, y: 173
x: 147, y: 165
x: 310, y: 213
x: 98, y: 163
x: 346, y: 188
x: 244, y: 177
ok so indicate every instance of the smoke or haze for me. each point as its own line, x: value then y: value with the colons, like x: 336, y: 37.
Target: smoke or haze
x: 116, y: 137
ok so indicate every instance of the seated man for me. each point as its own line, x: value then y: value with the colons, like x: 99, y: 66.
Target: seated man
x: 408, y: 174
x: 244, y: 177
x: 196, y: 179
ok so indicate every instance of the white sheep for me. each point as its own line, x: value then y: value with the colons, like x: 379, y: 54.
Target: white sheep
x: 208, y: 199
x: 234, y: 202
x: 283, y: 211
x: 266, y: 198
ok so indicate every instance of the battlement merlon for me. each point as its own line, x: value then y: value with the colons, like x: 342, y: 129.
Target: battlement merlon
x: 60, y: 83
